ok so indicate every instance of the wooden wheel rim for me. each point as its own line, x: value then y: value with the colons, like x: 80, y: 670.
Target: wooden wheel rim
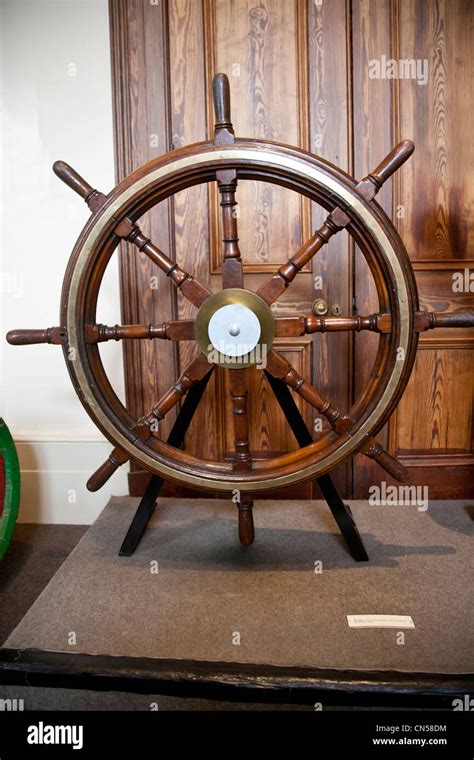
x: 194, y: 165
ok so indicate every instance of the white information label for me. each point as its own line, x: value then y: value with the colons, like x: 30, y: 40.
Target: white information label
x: 380, y: 621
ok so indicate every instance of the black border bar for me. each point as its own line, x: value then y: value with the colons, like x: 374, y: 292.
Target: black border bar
x: 230, y: 681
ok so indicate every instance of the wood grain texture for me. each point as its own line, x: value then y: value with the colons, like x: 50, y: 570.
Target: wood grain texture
x: 442, y: 417
x: 190, y: 206
x: 435, y: 194
x: 262, y: 49
x: 431, y: 194
x: 372, y: 139
x: 142, y: 131
x: 239, y: 391
x: 330, y: 137
x: 437, y: 190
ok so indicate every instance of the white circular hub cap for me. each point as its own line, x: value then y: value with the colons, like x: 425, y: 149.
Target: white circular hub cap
x: 234, y: 330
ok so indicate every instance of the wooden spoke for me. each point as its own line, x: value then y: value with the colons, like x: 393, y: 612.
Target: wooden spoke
x: 379, y: 323
x: 147, y: 426
x: 127, y: 230
x: 288, y: 327
x: 232, y: 274
x: 278, y: 366
x: 238, y: 386
x: 272, y: 288
x: 195, y: 371
x: 182, y: 329
x: 190, y: 288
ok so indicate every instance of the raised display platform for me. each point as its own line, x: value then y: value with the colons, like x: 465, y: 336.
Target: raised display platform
x: 193, y: 602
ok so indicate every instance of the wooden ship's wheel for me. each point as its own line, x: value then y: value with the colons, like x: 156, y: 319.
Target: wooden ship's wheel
x: 235, y: 327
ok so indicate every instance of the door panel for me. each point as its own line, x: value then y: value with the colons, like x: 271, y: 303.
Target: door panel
x: 189, y: 210
x: 262, y: 47
x: 330, y: 125
x: 372, y: 139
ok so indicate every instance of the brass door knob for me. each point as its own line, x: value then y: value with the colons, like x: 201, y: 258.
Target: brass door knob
x: 319, y: 307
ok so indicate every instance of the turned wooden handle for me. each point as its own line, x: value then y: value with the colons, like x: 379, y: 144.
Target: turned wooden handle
x: 106, y: 470
x: 29, y: 337
x: 392, y: 162
x: 72, y: 179
x: 246, y: 524
x: 391, y: 465
x: 221, y: 95
x: 464, y: 318
x: 25, y: 337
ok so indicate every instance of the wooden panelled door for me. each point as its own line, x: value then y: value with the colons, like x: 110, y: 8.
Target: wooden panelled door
x: 316, y: 75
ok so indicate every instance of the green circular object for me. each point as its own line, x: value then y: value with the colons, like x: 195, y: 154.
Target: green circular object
x: 11, y: 497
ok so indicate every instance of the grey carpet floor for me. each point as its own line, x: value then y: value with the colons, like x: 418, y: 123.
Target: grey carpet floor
x: 209, y: 593
x: 35, y: 553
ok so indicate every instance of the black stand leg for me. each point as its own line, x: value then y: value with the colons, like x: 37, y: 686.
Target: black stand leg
x: 341, y: 512
x: 148, y: 502
x: 343, y: 516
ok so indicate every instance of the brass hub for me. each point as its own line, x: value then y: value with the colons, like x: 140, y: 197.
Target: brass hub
x: 235, y: 337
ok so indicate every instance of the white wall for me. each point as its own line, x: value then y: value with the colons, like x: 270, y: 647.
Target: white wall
x: 56, y: 104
